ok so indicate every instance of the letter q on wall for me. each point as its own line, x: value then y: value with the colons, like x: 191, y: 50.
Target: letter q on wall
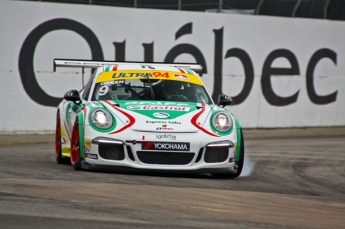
x: 27, y: 52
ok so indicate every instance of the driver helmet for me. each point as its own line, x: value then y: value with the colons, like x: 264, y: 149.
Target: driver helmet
x: 173, y: 88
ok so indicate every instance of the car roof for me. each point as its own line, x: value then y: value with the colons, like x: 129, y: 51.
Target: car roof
x: 137, y: 71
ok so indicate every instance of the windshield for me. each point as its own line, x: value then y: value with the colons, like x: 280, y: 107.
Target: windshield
x: 140, y: 89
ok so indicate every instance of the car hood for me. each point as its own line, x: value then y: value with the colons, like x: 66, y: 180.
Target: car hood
x: 161, y: 116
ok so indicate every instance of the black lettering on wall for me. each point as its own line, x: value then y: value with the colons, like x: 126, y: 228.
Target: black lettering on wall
x: 248, y: 72
x: 268, y: 71
x: 218, y: 63
x: 317, y: 56
x: 120, y: 53
x: 148, y: 52
x: 186, y: 29
x: 186, y: 49
x: 27, y: 52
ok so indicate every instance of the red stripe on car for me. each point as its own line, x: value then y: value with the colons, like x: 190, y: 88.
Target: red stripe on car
x: 148, y: 145
x: 130, y: 117
x: 195, y: 118
x: 115, y: 67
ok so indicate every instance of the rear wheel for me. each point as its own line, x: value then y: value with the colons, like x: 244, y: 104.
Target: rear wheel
x: 58, y: 155
x: 239, y: 164
x: 75, y: 147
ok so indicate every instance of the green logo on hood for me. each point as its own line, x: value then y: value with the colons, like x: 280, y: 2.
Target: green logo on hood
x: 159, y: 110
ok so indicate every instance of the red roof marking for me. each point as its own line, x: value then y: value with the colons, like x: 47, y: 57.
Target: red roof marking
x: 148, y: 145
x: 115, y: 67
x: 130, y: 117
x: 143, y: 137
x: 181, y: 70
x: 195, y: 117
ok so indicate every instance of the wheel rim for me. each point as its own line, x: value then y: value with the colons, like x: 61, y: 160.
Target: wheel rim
x: 75, y: 144
x: 57, y: 137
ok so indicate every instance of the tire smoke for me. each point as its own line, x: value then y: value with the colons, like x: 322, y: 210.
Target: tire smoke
x: 248, y: 167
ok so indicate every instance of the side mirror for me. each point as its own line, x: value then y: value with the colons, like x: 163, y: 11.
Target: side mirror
x: 73, y: 95
x: 224, y: 100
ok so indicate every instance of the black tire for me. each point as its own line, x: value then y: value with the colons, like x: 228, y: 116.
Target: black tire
x: 241, y: 159
x: 75, y: 149
x: 58, y: 156
x: 239, y: 164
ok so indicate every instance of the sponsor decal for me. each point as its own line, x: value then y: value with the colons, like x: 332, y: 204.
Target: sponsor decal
x: 134, y: 107
x: 63, y: 142
x: 170, y: 108
x: 140, y: 74
x: 164, y: 128
x: 181, y: 77
x: 174, y: 122
x: 156, y: 103
x: 87, y: 149
x: 166, y: 136
x: 163, y: 122
x: 87, y: 146
x: 92, y: 156
x: 112, y: 82
x: 173, y: 146
x: 161, y: 115
x: 155, y: 122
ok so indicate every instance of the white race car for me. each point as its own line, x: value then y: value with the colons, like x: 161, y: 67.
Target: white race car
x: 147, y: 116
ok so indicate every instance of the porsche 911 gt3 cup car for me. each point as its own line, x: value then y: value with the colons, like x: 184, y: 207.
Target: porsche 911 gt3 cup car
x: 149, y: 116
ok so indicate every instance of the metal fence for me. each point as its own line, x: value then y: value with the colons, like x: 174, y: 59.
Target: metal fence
x: 322, y: 9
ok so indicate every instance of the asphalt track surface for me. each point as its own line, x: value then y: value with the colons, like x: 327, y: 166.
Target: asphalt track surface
x: 288, y: 182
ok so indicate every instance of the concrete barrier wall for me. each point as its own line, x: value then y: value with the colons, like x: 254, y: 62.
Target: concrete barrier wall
x: 281, y: 72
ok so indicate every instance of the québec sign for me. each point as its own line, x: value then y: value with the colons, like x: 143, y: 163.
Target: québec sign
x: 36, y: 93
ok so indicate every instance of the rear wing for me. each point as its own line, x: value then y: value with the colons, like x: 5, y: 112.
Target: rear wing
x: 74, y: 63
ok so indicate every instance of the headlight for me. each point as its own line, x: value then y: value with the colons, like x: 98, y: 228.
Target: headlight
x: 222, y: 122
x: 101, y: 119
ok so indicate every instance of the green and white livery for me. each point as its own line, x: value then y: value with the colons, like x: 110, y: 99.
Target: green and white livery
x: 147, y: 116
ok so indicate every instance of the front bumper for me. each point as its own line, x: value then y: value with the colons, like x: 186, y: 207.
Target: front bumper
x: 125, y: 151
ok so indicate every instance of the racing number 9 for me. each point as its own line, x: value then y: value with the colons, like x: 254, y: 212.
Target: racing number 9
x: 103, y: 90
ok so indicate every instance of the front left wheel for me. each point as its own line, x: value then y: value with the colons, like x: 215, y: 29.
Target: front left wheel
x: 75, y: 147
x: 239, y: 163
